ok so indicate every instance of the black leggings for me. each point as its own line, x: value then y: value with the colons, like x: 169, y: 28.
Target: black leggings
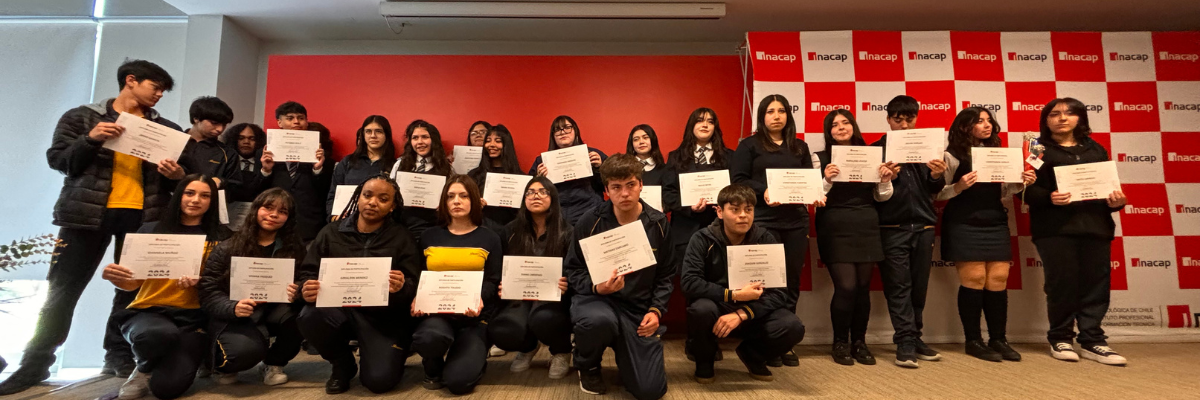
x: 453, y: 348
x: 168, y: 345
x: 520, y: 325
x: 850, y: 308
x: 381, y: 345
x: 243, y: 343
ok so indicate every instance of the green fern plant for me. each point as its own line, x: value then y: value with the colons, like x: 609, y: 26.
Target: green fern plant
x: 28, y: 251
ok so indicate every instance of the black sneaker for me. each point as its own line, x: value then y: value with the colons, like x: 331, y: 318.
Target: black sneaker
x: 906, y: 355
x: 1103, y: 354
x: 861, y: 353
x: 790, y: 359
x: 25, y: 377
x: 432, y: 383
x: 339, y: 379
x: 841, y: 353
x: 1006, y: 351
x: 977, y: 349
x: 704, y: 373
x: 758, y: 369
x: 926, y: 353
x: 592, y: 382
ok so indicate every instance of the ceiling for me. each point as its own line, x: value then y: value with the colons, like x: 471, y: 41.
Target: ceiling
x: 297, y: 20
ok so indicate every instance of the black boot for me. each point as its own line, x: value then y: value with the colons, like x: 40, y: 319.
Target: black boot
x: 861, y: 353
x: 841, y: 353
x: 343, y: 371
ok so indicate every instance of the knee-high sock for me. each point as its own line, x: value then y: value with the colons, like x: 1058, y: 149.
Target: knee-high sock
x: 970, y: 308
x: 995, y: 310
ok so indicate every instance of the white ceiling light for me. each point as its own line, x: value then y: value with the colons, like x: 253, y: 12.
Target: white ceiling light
x: 569, y: 10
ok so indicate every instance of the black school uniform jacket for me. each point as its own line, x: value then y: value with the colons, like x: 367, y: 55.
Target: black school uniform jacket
x: 705, y: 272
x: 1091, y: 218
x: 310, y: 190
x: 645, y: 290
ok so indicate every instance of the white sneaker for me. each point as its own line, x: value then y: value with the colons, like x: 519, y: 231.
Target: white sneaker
x: 1063, y: 351
x: 521, y: 362
x: 496, y: 352
x: 273, y: 375
x: 1103, y: 354
x: 136, y: 387
x: 560, y: 364
x: 224, y: 379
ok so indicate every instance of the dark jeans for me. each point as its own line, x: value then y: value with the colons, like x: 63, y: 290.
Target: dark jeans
x: 381, y: 345
x: 453, y: 348
x: 600, y: 324
x: 243, y: 343
x: 796, y: 243
x: 907, y: 254
x: 167, y: 347
x: 763, y: 338
x: 1077, y: 286
x: 71, y: 268
x: 520, y: 325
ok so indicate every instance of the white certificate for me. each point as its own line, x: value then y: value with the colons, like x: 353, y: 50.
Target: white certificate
x: 147, y: 140
x: 1089, y: 181
x: 757, y: 263
x: 295, y: 146
x: 448, y: 292
x: 567, y: 164
x: 261, y: 279
x: 354, y: 282
x: 795, y: 185
x: 341, y: 198
x: 505, y: 190
x: 625, y: 249
x: 222, y: 208
x: 531, y: 278
x: 421, y: 190
x: 652, y: 195
x: 997, y: 164
x: 466, y: 158
x: 857, y: 163
x: 155, y: 256
x: 915, y: 145
x: 696, y: 185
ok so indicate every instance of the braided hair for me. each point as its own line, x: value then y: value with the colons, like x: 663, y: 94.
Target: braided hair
x: 351, y: 210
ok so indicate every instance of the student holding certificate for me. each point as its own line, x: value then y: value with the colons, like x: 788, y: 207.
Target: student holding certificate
x: 1074, y: 239
x: 383, y: 333
x: 975, y: 235
x: 308, y: 183
x: 775, y: 145
x: 624, y: 311
x: 204, y: 154
x: 906, y: 225
x: 164, y: 324
x: 454, y: 348
x: 245, y: 143
x: 242, y: 329
x: 756, y: 314
x: 423, y: 154
x: 374, y: 153
x: 499, y: 156
x: 578, y: 195
x: 848, y: 240
x: 104, y: 196
x: 475, y: 137
x: 643, y: 143
x: 538, y: 231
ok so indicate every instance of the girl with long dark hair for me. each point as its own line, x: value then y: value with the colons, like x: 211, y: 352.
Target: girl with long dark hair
x: 538, y: 231
x: 164, y: 323
x: 499, y: 156
x: 975, y: 235
x: 702, y: 149
x: 643, y: 143
x: 374, y: 153
x: 423, y: 154
x: 578, y: 195
x: 242, y: 329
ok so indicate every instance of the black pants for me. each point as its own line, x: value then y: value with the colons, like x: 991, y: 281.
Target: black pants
x: 763, y: 338
x: 796, y: 243
x: 600, y: 324
x: 850, y: 308
x: 453, y: 348
x: 169, y: 345
x: 71, y: 268
x: 522, y: 324
x: 907, y: 254
x: 243, y: 343
x: 1077, y: 286
x: 381, y: 344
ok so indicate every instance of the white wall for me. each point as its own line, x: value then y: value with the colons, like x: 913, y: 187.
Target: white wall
x: 160, y: 43
x: 237, y: 77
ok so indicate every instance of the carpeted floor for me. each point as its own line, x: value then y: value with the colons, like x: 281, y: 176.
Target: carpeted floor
x: 1160, y: 371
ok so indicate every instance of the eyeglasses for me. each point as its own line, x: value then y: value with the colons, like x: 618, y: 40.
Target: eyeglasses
x: 564, y: 131
x: 477, y: 133
x: 536, y: 193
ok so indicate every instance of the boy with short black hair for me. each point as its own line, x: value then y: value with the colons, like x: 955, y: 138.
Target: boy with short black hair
x: 624, y: 311
x: 759, y: 316
x: 308, y: 183
x: 204, y: 154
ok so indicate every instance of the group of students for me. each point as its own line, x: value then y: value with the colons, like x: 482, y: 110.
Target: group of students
x: 162, y: 331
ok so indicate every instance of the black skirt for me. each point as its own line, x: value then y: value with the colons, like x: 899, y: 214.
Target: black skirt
x: 848, y: 235
x: 964, y: 242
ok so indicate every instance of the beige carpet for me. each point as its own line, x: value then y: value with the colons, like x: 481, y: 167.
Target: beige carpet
x: 1160, y: 371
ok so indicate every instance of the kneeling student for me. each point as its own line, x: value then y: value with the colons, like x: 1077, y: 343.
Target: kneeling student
x: 760, y: 316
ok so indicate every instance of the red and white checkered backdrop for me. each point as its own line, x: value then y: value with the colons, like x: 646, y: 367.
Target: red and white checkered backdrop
x: 1143, y: 95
